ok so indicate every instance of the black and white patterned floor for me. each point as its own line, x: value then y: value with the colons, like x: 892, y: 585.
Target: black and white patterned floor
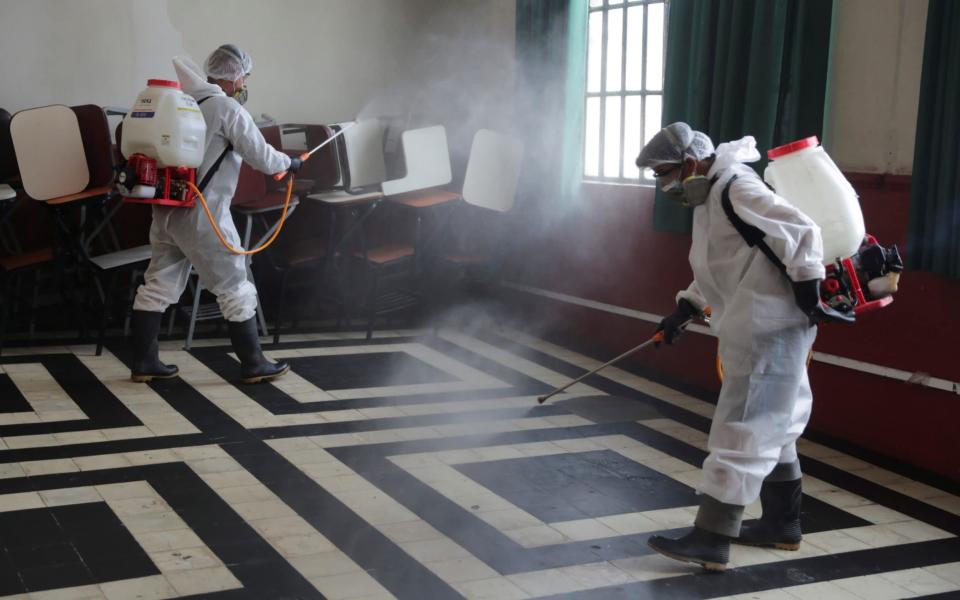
x: 415, y: 466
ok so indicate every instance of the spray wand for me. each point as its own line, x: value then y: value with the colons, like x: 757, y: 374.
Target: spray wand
x: 656, y: 339
x: 306, y: 155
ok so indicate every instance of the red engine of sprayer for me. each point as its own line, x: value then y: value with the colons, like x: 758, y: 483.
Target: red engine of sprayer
x: 866, y: 281
x: 141, y: 182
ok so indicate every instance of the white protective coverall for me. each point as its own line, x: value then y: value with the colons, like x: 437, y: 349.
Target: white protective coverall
x: 765, y: 399
x: 181, y: 236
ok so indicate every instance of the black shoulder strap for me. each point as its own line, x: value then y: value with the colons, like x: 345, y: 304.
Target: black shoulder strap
x: 750, y: 234
x: 216, y: 165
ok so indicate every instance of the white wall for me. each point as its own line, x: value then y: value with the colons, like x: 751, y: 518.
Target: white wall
x: 314, y: 60
x: 99, y: 51
x: 875, y: 85
x: 462, y: 71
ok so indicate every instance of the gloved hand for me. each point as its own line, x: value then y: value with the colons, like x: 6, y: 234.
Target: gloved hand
x: 294, y: 164
x: 672, y: 325
x: 807, y: 295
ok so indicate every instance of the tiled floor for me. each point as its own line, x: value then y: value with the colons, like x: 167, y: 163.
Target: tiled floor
x: 416, y: 466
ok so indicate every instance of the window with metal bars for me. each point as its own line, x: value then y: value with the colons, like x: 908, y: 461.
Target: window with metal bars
x: 626, y: 41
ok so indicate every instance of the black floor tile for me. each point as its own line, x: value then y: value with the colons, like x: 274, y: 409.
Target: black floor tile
x: 85, y: 521
x: 10, y: 582
x: 56, y: 576
x: 113, y: 567
x: 366, y: 370
x: 44, y: 555
x: 11, y: 400
x: 582, y: 485
x: 24, y: 528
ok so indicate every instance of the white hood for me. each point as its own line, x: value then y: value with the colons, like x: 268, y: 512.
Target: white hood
x: 192, y: 79
x: 743, y: 150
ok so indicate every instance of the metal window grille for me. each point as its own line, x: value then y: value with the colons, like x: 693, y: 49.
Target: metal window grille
x: 626, y: 45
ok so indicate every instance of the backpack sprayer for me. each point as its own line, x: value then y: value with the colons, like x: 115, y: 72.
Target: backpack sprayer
x: 164, y: 139
x: 861, y: 275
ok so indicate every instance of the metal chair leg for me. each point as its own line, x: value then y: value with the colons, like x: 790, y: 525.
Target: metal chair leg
x: 372, y: 303
x: 105, y: 311
x: 34, y: 300
x: 279, y: 321
x: 4, y: 302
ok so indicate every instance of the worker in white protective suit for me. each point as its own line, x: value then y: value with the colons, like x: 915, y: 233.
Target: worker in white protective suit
x: 183, y: 236
x: 765, y: 324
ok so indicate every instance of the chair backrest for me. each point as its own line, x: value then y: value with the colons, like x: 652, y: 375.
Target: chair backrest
x: 271, y: 133
x: 324, y: 166
x: 427, y: 158
x: 49, y: 149
x: 251, y: 187
x: 97, y: 145
x: 118, y: 140
x: 8, y: 158
x: 363, y: 143
x: 493, y: 171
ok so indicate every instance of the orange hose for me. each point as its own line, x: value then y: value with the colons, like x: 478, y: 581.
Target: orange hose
x: 226, y: 244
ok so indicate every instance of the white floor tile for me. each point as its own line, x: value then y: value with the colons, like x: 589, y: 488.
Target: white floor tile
x: 202, y: 581
x: 872, y: 587
x: 543, y: 583
x: 347, y: 585
x: 434, y: 550
x: 459, y: 570
x: 491, y: 589
x: 596, y: 575
x: 324, y: 564
x: 302, y: 545
x: 145, y: 588
x: 920, y: 581
x: 948, y: 571
x: 819, y: 591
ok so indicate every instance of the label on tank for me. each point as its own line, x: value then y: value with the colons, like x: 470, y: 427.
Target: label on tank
x: 188, y: 104
x: 142, y: 115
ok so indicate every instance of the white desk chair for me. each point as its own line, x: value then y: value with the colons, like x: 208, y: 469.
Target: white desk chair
x: 490, y: 185
x: 56, y: 169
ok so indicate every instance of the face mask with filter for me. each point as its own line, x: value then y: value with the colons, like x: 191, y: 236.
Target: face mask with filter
x: 696, y: 188
x: 241, y: 95
x: 673, y: 190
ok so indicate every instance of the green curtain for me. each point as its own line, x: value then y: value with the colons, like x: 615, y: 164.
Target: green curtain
x: 551, y: 63
x: 933, y: 243
x: 744, y: 67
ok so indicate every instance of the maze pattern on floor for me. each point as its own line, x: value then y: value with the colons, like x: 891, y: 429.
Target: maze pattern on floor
x: 414, y: 466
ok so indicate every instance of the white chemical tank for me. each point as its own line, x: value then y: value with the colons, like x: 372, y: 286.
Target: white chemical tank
x: 802, y: 173
x: 166, y: 125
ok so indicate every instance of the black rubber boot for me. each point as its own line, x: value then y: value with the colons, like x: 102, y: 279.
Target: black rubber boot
x: 708, y: 545
x: 254, y: 366
x: 146, y: 360
x: 705, y: 548
x: 779, y: 526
